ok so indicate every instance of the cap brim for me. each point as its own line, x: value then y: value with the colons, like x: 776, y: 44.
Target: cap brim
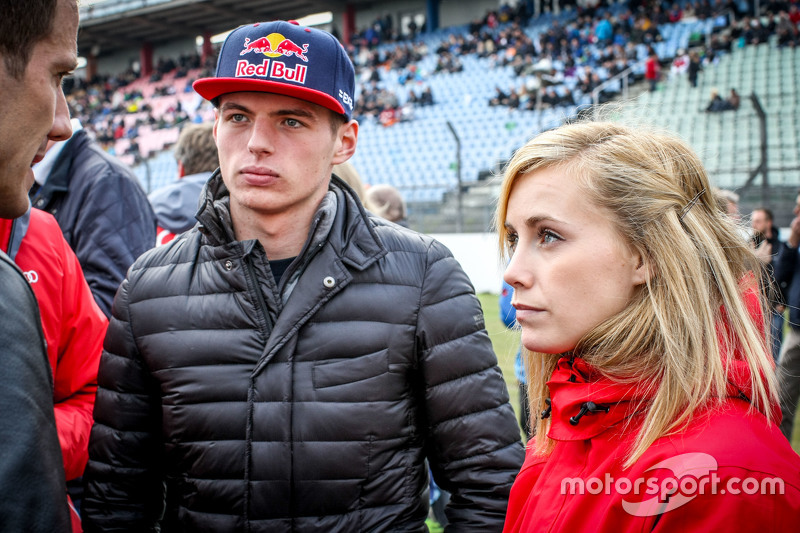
x: 211, y: 88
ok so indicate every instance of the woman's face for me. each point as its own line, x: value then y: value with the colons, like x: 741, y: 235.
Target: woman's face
x: 570, y: 268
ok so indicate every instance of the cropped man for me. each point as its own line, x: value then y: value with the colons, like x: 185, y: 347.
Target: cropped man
x: 35, y: 54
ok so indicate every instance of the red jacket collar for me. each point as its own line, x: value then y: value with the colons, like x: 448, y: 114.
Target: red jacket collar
x: 584, y: 403
x: 576, y: 388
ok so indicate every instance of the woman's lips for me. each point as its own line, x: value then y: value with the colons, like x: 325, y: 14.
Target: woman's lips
x: 526, y: 311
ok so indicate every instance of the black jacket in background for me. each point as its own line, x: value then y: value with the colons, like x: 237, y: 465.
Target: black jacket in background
x: 33, y: 494
x: 103, y: 213
x: 306, y: 407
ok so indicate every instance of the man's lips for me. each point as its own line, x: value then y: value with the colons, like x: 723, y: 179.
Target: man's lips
x: 258, y: 175
x: 38, y: 158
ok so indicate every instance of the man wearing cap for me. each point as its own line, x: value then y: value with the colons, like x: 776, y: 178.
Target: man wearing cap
x: 294, y: 363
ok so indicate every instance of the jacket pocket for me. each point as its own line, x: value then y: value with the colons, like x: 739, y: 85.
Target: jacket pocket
x: 350, y: 370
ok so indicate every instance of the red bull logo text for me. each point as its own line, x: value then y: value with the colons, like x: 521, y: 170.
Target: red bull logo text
x: 271, y: 69
x: 275, y: 45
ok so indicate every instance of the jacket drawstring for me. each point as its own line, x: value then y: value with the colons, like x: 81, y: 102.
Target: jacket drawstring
x: 546, y: 412
x: 587, y: 407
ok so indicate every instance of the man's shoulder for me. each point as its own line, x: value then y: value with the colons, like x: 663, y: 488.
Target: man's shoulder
x: 398, y: 238
x: 16, y: 294
x: 183, y: 249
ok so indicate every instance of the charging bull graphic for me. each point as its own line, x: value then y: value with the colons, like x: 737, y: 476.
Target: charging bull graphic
x: 275, y: 45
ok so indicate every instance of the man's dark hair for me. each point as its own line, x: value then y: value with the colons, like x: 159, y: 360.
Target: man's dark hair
x: 196, y: 149
x: 767, y: 213
x: 22, y: 25
x: 337, y: 121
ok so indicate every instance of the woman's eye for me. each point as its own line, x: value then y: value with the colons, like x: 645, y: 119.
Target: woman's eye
x: 547, y: 236
x: 511, y: 241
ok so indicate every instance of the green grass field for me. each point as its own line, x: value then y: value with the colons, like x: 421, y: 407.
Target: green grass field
x: 506, y: 342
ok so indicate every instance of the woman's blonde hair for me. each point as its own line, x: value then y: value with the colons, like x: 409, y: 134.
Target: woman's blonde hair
x: 669, y: 337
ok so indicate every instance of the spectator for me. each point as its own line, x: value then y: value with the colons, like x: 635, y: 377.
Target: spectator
x: 509, y: 317
x: 652, y: 69
x: 694, y: 68
x: 734, y: 100
x: 101, y: 208
x: 767, y: 246
x: 35, y: 54
x: 386, y: 202
x: 787, y: 274
x: 293, y: 362
x: 175, y: 205
x: 348, y: 174
x: 727, y: 202
x: 667, y: 369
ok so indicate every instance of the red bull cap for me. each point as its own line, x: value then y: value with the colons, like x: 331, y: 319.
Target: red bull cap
x: 284, y: 58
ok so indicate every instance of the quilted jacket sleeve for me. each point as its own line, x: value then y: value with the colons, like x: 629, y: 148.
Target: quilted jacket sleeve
x: 115, y: 226
x: 31, y: 472
x: 474, y: 449
x: 124, y: 485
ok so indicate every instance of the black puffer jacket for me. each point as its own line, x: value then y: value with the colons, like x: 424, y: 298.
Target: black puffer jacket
x: 305, y: 407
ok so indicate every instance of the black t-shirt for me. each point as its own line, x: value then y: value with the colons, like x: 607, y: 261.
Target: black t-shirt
x: 278, y: 267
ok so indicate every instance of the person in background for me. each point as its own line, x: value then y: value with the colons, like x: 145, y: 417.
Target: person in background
x: 787, y: 274
x: 348, y: 174
x: 35, y: 54
x: 293, y: 362
x: 175, y: 205
x: 509, y: 317
x: 641, y: 313
x: 728, y: 202
x: 102, y: 210
x: 652, y: 69
x: 767, y: 246
x: 694, y: 68
x: 386, y: 201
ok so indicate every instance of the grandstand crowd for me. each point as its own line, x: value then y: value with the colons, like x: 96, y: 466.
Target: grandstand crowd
x: 582, y: 49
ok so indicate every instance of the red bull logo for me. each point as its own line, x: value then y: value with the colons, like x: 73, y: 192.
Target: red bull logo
x: 271, y: 69
x: 275, y: 45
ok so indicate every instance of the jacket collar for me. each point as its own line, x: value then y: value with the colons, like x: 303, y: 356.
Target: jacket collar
x: 340, y: 217
x: 59, y: 179
x: 12, y: 231
x: 585, y: 403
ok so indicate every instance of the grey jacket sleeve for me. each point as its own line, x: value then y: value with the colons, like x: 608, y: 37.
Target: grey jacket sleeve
x: 123, y: 479
x: 474, y: 444
x: 31, y: 469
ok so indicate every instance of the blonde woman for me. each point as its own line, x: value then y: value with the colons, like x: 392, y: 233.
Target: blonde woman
x: 651, y: 384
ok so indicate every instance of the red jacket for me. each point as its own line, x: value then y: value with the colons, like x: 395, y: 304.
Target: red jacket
x: 73, y: 324
x: 582, y: 485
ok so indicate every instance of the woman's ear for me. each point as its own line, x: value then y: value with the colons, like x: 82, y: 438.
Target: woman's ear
x: 644, y: 270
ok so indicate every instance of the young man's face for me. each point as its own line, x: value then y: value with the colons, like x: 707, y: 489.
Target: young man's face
x: 276, y: 152
x: 34, y: 108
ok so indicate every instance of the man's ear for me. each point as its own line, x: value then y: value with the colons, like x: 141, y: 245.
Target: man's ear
x: 346, y: 143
